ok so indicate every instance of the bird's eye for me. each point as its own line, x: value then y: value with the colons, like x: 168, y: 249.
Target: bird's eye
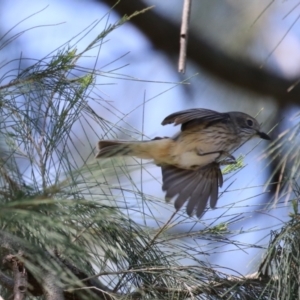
x: 249, y: 122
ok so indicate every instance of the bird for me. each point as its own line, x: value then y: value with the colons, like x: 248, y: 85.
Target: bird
x: 191, y: 160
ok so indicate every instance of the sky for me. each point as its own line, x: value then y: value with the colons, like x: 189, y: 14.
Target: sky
x: 271, y: 38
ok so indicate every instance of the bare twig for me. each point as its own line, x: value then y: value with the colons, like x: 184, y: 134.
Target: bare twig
x: 186, y: 12
x: 160, y: 231
x: 20, y: 275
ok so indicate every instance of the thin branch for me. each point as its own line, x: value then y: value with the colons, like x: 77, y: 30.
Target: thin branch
x: 160, y: 231
x: 20, y: 277
x: 186, y: 12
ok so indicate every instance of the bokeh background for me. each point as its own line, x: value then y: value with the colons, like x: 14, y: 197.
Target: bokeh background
x: 139, y: 85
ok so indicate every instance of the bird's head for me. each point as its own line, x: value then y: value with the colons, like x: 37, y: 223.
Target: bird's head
x: 247, y: 125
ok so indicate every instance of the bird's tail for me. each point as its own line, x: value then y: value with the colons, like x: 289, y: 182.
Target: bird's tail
x: 157, y: 149
x: 112, y: 148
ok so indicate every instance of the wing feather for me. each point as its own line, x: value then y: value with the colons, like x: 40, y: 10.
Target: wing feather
x: 196, y: 187
x: 199, y: 114
x: 215, y: 184
x: 185, y: 193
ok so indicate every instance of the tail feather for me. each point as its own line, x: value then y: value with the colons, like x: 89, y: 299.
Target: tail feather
x: 157, y: 149
x: 114, y: 148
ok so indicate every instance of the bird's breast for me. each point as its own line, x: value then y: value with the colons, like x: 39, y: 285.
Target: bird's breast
x: 191, y: 159
x: 199, y: 148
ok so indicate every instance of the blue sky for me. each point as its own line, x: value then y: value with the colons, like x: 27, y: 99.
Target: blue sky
x: 62, y: 20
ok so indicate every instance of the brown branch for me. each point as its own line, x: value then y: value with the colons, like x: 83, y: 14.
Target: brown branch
x: 164, y: 35
x: 20, y: 283
x: 49, y: 284
x: 184, y: 31
x: 20, y: 277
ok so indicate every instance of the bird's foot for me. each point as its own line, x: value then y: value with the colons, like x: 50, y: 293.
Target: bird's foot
x: 226, y: 158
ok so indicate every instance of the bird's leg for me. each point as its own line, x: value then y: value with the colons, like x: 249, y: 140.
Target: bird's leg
x: 224, y: 158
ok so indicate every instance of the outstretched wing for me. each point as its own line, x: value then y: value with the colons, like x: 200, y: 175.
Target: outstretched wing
x: 195, y: 116
x: 196, y: 187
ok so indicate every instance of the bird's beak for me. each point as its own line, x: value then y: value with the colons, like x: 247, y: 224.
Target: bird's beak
x: 263, y: 135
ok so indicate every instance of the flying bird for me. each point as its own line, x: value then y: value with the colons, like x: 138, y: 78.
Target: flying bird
x: 190, y: 161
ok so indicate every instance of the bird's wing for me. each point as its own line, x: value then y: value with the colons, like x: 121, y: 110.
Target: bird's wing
x: 196, y: 114
x: 196, y: 187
